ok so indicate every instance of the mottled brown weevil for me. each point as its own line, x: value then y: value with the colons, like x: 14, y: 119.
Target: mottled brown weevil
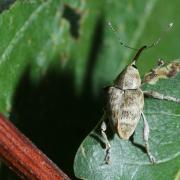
x: 125, y: 102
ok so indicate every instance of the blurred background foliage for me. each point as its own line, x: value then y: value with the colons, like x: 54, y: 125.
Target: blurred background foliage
x: 56, y: 55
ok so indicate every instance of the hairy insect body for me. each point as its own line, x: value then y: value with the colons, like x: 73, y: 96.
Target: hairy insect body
x: 129, y: 78
x: 125, y: 102
x: 124, y: 110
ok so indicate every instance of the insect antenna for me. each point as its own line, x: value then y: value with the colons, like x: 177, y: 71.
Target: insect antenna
x: 155, y: 43
x: 163, y: 33
x: 139, y: 50
x: 121, y: 42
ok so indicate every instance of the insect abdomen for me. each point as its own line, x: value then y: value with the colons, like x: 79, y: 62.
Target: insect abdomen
x: 124, y: 110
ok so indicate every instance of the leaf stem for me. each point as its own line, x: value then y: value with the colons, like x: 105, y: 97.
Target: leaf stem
x: 21, y: 155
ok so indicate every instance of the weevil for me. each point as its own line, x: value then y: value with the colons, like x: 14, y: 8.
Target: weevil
x: 125, y: 102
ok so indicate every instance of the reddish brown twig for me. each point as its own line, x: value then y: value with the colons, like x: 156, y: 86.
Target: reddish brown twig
x: 25, y: 158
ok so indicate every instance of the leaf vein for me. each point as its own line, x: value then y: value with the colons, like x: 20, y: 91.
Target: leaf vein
x: 163, y: 113
x: 134, y: 173
x: 19, y: 34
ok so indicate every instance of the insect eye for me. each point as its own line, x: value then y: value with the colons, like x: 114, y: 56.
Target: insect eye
x: 134, y: 66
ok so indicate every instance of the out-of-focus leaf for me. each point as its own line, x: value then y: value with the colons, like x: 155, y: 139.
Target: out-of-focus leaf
x: 36, y: 35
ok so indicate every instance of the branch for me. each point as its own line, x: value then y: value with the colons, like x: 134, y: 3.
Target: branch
x: 21, y: 155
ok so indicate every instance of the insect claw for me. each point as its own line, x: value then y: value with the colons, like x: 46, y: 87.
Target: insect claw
x: 152, y: 159
x: 160, y: 62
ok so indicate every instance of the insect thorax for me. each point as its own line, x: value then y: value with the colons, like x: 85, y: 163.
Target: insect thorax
x: 129, y: 78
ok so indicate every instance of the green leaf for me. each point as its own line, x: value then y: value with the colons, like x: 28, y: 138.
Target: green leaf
x: 37, y: 39
x: 129, y: 161
x: 139, y: 24
x: 34, y: 34
x: 23, y: 42
x: 37, y: 36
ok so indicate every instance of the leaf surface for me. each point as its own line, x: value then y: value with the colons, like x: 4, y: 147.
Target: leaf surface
x: 127, y: 160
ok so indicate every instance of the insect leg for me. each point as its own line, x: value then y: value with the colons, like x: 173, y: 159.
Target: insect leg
x: 107, y: 144
x: 153, y: 73
x: 146, y: 137
x: 160, y: 96
x: 160, y: 63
